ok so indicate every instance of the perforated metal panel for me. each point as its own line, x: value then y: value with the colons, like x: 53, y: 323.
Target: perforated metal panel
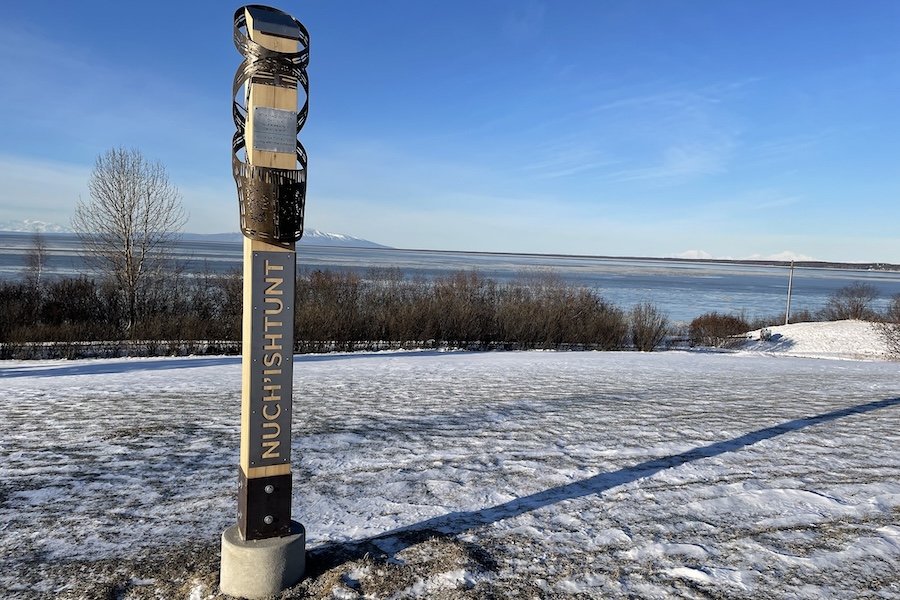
x: 272, y: 201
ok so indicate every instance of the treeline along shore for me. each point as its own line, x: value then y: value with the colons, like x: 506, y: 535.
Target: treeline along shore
x: 180, y: 313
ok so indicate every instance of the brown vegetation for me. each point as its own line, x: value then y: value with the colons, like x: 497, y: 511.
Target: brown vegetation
x: 718, y: 330
x: 180, y: 312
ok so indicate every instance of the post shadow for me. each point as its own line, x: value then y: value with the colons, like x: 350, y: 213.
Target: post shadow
x: 330, y: 555
x: 108, y: 368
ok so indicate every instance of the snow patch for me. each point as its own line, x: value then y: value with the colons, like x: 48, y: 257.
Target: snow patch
x: 854, y: 340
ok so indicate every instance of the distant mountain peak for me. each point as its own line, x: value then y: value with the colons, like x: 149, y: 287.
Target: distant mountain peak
x: 323, y: 238
x: 30, y: 226
x: 785, y: 256
x: 694, y: 255
x: 311, y: 237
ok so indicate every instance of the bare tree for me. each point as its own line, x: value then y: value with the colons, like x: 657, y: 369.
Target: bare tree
x: 35, y: 261
x: 131, y: 221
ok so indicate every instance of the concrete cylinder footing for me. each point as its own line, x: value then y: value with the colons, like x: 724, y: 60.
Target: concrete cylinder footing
x: 259, y: 568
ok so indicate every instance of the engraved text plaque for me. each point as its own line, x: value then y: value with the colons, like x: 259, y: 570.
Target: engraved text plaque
x: 274, y: 130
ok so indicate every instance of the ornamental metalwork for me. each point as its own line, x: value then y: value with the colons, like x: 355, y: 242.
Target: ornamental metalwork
x: 271, y: 199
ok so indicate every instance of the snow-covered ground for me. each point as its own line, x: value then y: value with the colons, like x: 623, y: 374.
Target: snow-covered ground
x: 748, y: 474
x: 855, y: 340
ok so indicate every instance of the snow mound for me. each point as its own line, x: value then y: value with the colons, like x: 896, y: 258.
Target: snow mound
x: 847, y: 340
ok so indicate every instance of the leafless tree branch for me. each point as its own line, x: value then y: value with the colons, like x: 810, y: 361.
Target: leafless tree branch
x: 129, y: 224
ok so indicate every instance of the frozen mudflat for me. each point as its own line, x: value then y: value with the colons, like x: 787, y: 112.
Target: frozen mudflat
x: 749, y: 474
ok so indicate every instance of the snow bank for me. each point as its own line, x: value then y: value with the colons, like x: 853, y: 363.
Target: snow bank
x: 855, y: 340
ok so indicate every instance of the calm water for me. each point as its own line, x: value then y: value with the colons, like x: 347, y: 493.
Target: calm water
x: 684, y: 290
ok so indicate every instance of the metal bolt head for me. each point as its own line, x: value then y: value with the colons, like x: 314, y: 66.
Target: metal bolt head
x: 269, y: 519
x: 270, y: 488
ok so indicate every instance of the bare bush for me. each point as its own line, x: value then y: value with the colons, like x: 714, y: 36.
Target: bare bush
x: 798, y: 316
x: 540, y: 310
x: 804, y: 316
x: 649, y: 327
x: 718, y: 330
x: 328, y: 310
x: 889, y: 327
x: 852, y: 301
x: 606, y: 327
x: 19, y: 309
x: 467, y: 312
x: 395, y: 308
x: 765, y: 321
x: 200, y: 312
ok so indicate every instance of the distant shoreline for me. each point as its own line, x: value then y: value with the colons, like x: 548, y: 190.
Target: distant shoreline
x: 799, y: 264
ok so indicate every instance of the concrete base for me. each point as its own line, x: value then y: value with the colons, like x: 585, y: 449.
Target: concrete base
x: 256, y: 569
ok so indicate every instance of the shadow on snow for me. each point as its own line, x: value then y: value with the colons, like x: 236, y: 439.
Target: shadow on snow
x: 330, y: 555
x: 105, y: 366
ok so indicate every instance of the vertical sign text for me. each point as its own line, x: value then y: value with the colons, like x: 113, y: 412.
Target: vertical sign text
x: 271, y: 354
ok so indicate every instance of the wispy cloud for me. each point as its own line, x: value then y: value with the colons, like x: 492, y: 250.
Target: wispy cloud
x: 752, y: 201
x: 678, y: 164
x: 662, y: 138
x: 566, y: 156
x: 667, y: 99
x: 785, y: 149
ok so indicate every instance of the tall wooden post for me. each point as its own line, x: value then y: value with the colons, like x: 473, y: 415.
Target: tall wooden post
x: 264, y: 493
x: 265, y: 551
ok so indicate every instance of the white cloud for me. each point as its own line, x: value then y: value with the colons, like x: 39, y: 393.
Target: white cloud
x: 680, y: 163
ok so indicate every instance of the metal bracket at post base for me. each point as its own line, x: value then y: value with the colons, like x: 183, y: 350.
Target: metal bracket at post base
x: 264, y: 506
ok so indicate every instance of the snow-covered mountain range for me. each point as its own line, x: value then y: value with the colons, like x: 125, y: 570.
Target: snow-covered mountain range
x: 311, y: 237
x: 29, y: 226
x: 785, y: 256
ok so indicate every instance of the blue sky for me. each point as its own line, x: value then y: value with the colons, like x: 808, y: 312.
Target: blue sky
x: 626, y: 128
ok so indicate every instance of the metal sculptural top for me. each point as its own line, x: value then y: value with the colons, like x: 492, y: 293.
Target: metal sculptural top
x: 271, y: 199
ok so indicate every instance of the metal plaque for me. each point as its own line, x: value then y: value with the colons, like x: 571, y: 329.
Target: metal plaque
x: 271, y: 358
x: 274, y: 22
x: 274, y: 130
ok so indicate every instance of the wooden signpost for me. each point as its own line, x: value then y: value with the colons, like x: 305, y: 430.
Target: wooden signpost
x: 265, y: 551
x: 264, y: 492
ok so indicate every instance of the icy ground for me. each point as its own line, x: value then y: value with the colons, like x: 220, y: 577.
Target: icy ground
x: 750, y: 474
